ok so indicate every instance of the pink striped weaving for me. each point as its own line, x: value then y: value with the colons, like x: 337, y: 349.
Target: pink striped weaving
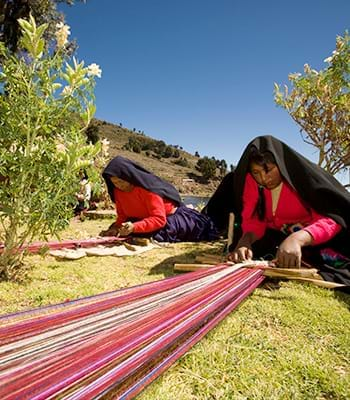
x: 36, y: 247
x: 115, y: 342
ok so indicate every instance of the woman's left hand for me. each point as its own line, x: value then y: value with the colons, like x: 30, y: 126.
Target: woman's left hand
x: 289, y: 252
x: 126, y: 228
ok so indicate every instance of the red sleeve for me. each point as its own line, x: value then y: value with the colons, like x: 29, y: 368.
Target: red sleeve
x: 322, y: 229
x: 157, y: 214
x: 250, y: 221
x: 121, y: 217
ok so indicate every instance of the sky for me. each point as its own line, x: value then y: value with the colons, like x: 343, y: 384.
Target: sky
x: 200, y: 73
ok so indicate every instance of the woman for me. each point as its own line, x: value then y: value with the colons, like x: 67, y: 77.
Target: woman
x: 149, y: 206
x: 289, y: 208
x: 84, y: 195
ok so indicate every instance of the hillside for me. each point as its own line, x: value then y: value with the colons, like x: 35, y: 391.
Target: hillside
x: 185, y: 178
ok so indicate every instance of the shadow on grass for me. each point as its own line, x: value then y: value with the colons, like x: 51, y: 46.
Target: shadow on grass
x: 166, y: 267
x: 343, y: 296
x: 273, y: 284
x: 270, y: 284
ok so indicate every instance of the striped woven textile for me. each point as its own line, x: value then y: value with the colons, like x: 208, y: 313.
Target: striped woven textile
x: 114, y: 344
x: 36, y: 247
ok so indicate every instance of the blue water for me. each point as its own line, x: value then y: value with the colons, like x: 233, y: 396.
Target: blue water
x: 195, y: 200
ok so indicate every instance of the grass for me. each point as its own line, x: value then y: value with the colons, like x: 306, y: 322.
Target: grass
x: 289, y: 342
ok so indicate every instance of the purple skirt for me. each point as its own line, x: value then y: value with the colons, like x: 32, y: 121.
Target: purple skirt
x: 187, y: 225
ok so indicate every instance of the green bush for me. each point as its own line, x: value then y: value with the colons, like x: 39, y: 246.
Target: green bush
x: 207, y: 167
x: 46, y: 104
x: 183, y: 162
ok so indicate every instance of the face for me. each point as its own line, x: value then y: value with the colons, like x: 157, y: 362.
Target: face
x: 122, y: 185
x: 270, y: 177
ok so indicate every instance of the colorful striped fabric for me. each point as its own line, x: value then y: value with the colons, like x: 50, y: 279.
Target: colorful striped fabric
x: 36, y: 247
x: 116, y: 342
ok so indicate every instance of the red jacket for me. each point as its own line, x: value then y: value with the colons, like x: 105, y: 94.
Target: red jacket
x: 291, y: 213
x: 149, y: 209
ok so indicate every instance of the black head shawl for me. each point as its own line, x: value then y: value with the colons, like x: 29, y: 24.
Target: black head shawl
x: 316, y: 187
x: 135, y: 174
x: 222, y: 203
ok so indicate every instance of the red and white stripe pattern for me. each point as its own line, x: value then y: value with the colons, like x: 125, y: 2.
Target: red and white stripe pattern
x: 37, y: 247
x: 115, y: 342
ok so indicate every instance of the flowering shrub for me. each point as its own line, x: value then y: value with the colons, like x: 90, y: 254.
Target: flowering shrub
x: 319, y: 102
x: 99, y: 188
x: 45, y: 105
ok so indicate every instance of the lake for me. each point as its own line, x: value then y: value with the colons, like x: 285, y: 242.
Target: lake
x: 195, y: 200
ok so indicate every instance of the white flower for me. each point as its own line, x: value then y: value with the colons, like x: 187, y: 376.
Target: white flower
x: 61, y: 148
x: 328, y: 59
x: 13, y: 147
x: 307, y: 68
x: 35, y: 147
x: 67, y: 91
x: 94, y: 70
x: 105, y: 142
x: 62, y: 33
x: 105, y: 146
x: 294, y: 76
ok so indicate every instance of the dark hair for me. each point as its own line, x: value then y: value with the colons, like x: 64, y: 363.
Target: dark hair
x: 83, y: 174
x: 262, y: 159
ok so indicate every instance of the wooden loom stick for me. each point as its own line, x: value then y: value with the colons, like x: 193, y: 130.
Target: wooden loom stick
x: 273, y: 274
x: 196, y: 267
x: 317, y: 282
x: 231, y: 223
x: 301, y: 274
x: 267, y: 271
x: 191, y: 267
x: 209, y: 259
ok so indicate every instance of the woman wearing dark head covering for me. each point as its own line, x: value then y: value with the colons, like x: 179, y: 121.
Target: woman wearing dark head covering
x: 149, y: 206
x: 289, y: 207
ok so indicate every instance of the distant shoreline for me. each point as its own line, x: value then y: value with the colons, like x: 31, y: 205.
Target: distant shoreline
x: 195, y: 200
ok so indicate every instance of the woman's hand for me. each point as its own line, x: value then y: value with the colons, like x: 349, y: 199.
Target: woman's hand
x: 126, y: 228
x: 289, y: 252
x: 243, y: 250
x: 111, y: 231
x: 240, y: 254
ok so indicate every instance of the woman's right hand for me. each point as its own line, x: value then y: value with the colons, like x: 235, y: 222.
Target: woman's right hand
x: 111, y: 231
x: 240, y: 254
x: 243, y: 251
x: 108, y: 232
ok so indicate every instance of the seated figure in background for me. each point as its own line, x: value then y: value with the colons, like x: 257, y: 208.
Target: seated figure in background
x: 84, y: 195
x: 146, y: 205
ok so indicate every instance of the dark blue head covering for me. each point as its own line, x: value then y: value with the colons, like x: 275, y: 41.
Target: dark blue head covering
x: 135, y: 174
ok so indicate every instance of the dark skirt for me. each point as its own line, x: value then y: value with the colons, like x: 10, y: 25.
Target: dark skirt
x: 332, y: 259
x: 187, y: 225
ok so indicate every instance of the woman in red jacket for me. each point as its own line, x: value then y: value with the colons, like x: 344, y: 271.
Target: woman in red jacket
x: 287, y: 208
x: 147, y: 205
x: 271, y: 203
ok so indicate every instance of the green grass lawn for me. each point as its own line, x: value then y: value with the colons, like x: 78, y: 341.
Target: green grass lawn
x: 286, y: 341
